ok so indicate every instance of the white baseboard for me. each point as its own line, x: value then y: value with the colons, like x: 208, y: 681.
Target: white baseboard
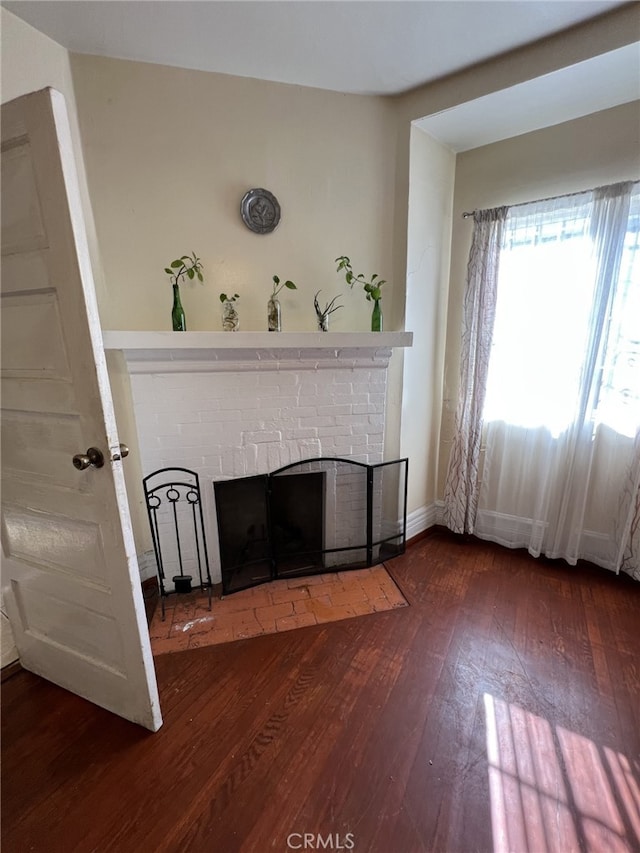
x: 423, y: 518
x: 514, y: 531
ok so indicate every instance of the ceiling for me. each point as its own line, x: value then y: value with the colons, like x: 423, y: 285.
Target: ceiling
x: 372, y: 47
x: 356, y: 46
x: 587, y: 87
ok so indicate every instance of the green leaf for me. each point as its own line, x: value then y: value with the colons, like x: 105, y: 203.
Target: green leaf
x: 276, y: 279
x: 200, y: 276
x: 168, y: 271
x: 176, y: 264
x: 374, y: 276
x: 290, y: 285
x: 190, y: 273
x: 223, y: 297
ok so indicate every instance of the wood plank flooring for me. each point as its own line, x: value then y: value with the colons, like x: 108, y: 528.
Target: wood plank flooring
x: 500, y: 711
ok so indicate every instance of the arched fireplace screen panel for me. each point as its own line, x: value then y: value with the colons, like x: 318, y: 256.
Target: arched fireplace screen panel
x: 310, y: 517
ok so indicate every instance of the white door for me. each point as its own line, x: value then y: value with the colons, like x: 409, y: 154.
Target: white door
x: 70, y: 572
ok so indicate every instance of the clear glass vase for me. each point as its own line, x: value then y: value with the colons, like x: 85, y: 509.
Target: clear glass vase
x: 230, y: 318
x: 376, y: 316
x: 274, y: 321
x: 178, y: 319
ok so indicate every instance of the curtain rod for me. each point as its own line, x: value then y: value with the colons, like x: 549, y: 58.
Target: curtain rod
x: 467, y: 213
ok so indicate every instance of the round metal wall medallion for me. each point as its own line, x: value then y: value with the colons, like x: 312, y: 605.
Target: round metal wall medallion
x: 260, y: 211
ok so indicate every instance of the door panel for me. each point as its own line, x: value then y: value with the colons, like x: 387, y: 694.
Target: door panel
x: 69, y: 570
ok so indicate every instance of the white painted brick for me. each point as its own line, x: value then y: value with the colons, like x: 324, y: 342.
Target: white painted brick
x: 308, y: 389
x: 221, y: 416
x: 307, y: 432
x: 310, y: 448
x: 358, y: 440
x: 162, y: 430
x: 241, y: 423
x: 251, y: 459
x: 360, y: 426
x: 242, y: 403
x: 277, y: 456
x: 281, y: 378
x: 351, y: 420
x: 229, y: 463
x: 261, y: 437
x: 262, y: 459
x: 334, y: 410
x: 300, y: 412
x: 169, y: 441
x: 317, y: 422
x: 267, y: 412
x: 212, y: 430
x: 212, y: 463
x: 310, y: 400
x: 336, y: 430
x: 351, y: 400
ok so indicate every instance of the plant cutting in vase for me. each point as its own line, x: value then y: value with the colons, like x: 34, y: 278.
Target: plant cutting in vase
x: 372, y: 288
x: 230, y: 318
x: 323, y: 313
x: 274, y: 322
x: 191, y: 267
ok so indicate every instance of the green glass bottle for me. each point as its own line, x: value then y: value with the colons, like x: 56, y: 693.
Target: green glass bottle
x: 177, y: 312
x: 376, y: 316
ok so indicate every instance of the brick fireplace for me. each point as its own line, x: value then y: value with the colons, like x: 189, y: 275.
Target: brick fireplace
x: 230, y: 405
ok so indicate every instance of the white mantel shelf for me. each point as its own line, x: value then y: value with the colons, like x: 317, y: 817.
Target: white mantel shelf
x: 197, y: 351
x: 254, y: 340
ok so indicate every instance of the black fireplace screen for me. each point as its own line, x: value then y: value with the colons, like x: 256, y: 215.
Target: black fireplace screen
x: 320, y: 515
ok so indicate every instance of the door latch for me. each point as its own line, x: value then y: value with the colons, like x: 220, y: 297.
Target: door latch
x: 120, y: 452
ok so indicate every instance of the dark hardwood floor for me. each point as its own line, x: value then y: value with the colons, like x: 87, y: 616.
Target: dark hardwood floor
x: 500, y: 711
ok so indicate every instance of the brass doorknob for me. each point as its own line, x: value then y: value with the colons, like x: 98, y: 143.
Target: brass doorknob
x: 93, y: 457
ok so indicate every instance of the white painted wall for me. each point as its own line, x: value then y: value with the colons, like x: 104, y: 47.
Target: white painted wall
x: 32, y: 61
x: 432, y: 173
x: 171, y: 152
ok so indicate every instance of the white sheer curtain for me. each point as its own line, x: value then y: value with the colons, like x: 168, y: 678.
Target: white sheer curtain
x: 561, y: 471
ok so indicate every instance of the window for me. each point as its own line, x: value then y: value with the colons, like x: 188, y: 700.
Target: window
x: 566, y: 342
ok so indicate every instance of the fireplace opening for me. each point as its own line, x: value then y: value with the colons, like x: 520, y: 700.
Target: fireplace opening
x: 297, y: 522
x: 243, y: 532
x: 310, y: 517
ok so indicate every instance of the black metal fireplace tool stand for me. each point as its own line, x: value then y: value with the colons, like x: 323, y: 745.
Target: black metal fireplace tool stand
x: 174, y: 507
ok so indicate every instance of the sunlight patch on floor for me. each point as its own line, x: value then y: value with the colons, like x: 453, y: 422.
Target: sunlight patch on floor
x: 555, y: 790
